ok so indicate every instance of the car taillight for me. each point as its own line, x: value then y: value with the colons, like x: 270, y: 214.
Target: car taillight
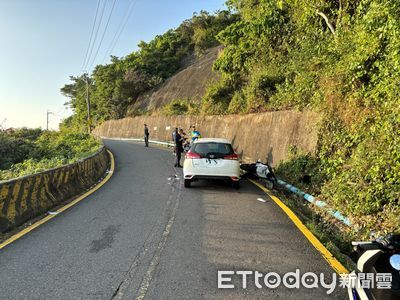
x: 231, y: 156
x: 192, y: 155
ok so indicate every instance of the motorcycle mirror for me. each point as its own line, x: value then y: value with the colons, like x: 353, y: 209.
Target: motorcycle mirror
x: 395, y: 261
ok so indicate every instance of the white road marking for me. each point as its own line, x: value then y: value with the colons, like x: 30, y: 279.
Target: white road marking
x: 157, y: 256
x: 124, y: 285
x: 261, y: 199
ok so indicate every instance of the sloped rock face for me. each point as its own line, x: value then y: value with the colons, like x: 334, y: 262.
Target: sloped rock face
x: 189, y: 83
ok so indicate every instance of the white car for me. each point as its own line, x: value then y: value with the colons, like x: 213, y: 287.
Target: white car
x: 211, y: 158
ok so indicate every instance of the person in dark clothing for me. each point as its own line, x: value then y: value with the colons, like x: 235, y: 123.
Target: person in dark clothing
x: 178, y: 148
x: 146, y: 135
x: 173, y: 134
x: 173, y: 137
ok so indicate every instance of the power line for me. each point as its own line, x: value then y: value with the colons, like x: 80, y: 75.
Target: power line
x: 120, y: 29
x: 104, y: 33
x: 95, y: 36
x: 91, y: 34
x: 123, y: 27
x: 61, y: 112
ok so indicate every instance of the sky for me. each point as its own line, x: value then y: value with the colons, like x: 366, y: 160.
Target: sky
x: 43, y: 42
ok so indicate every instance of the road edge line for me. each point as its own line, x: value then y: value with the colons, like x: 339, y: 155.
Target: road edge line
x: 326, y: 254
x: 28, y: 229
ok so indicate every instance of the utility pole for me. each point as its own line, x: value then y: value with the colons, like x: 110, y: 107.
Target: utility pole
x: 47, y: 119
x: 88, y: 102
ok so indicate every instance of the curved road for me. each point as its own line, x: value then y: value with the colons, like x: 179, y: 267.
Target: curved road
x: 143, y: 236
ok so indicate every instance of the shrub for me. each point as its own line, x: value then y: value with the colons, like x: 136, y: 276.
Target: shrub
x: 29, y: 151
x: 217, y: 97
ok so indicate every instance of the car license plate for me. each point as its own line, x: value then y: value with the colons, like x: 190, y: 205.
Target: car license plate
x: 206, y: 162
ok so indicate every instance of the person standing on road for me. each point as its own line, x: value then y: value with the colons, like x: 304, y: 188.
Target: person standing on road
x: 185, y: 142
x: 173, y: 134
x: 195, y: 134
x: 178, y: 148
x: 146, y: 135
x: 183, y: 134
x: 173, y: 137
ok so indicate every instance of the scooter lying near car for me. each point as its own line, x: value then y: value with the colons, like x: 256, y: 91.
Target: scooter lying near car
x: 260, y: 170
x: 381, y: 258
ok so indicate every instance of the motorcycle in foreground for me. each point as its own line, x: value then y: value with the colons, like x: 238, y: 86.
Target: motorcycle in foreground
x: 379, y: 259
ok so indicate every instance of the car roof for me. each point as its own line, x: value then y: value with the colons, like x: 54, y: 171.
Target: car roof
x: 213, y: 140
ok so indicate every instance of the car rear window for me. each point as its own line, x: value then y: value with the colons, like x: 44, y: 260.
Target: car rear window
x: 215, y: 148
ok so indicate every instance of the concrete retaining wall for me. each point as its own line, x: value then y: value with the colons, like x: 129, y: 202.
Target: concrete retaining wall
x: 265, y: 136
x: 27, y: 197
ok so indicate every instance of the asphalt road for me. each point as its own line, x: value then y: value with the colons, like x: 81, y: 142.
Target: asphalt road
x: 143, y: 236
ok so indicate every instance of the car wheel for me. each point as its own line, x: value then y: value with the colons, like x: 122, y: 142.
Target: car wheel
x: 236, y: 185
x: 187, y: 183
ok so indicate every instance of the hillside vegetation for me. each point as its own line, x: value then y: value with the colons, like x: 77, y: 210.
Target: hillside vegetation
x: 187, y: 86
x: 28, y: 151
x: 340, y: 58
x: 116, y: 86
